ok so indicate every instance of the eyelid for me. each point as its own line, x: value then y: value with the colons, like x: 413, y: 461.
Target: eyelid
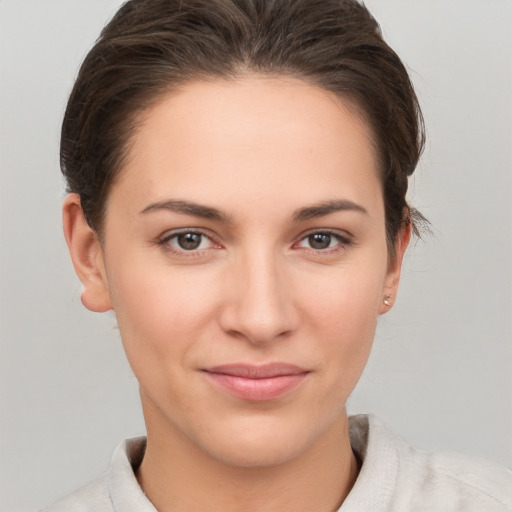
x: 345, y: 239
x: 167, y: 235
x: 164, y: 239
x: 328, y: 231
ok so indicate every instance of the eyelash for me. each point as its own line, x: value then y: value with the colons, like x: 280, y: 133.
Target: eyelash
x: 165, y: 242
x: 344, y: 241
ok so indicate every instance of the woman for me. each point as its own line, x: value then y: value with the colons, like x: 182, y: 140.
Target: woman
x: 237, y: 174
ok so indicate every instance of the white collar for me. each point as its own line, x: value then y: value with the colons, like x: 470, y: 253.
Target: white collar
x: 377, y: 447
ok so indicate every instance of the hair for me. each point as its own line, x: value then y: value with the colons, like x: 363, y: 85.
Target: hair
x: 151, y: 47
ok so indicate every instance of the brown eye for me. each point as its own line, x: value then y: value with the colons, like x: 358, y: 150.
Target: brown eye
x: 320, y: 241
x: 189, y: 241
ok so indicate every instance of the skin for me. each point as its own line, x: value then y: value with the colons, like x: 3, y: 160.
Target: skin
x: 259, y: 151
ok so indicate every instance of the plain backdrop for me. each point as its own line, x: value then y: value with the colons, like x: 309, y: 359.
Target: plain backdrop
x: 441, y: 370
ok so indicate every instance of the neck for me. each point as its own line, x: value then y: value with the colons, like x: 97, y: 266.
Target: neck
x: 177, y: 476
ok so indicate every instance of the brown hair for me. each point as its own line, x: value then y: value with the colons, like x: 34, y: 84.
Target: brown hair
x: 151, y: 46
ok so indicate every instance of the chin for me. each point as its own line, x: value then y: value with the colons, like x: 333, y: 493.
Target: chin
x: 261, y: 443
x: 256, y: 454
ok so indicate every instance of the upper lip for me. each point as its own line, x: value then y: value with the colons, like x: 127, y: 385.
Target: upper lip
x: 250, y: 371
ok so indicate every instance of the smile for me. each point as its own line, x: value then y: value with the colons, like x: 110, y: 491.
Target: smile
x: 257, y: 383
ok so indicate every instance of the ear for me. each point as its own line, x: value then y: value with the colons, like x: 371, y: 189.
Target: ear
x: 394, y: 269
x: 87, y: 256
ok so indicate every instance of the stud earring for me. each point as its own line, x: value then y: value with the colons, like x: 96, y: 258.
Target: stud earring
x: 386, y: 300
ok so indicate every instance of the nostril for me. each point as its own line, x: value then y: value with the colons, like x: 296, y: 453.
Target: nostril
x: 243, y: 321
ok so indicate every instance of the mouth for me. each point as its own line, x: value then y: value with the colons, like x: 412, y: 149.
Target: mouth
x: 256, y: 383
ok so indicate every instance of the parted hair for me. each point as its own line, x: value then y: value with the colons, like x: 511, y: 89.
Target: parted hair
x: 152, y: 46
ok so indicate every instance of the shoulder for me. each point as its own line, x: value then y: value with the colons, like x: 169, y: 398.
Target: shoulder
x: 407, y: 478
x: 471, y: 483
x: 116, y: 490
x: 92, y: 497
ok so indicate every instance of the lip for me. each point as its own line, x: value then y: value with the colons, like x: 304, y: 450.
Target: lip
x: 256, y: 383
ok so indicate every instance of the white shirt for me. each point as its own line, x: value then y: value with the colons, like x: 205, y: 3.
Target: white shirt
x: 394, y: 477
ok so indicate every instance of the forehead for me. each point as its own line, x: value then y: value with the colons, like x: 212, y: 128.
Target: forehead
x: 256, y: 135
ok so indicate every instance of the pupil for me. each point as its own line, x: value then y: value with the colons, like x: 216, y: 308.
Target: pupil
x: 189, y: 241
x: 320, y: 240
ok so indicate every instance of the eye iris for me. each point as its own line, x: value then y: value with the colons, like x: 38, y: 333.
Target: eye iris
x: 189, y: 241
x: 320, y: 240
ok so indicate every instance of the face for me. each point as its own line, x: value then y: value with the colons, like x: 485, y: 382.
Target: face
x: 245, y: 258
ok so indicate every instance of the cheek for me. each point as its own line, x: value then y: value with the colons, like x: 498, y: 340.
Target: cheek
x: 342, y: 311
x: 160, y: 311
x: 346, y: 299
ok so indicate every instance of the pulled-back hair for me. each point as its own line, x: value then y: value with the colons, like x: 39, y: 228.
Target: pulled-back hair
x: 153, y: 46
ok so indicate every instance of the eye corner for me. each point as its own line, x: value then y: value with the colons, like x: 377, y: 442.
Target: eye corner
x: 327, y: 241
x: 188, y: 242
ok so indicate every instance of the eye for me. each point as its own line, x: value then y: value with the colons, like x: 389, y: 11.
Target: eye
x: 323, y: 240
x: 187, y: 241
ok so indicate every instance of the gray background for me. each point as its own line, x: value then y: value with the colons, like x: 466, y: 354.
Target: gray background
x: 440, y: 373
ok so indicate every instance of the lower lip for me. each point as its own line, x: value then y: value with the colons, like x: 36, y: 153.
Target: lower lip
x: 256, y: 390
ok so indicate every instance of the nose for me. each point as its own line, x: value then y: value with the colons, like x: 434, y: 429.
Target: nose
x: 259, y: 306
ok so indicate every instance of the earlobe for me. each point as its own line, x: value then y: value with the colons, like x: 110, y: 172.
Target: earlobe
x: 86, y: 255
x: 394, y: 269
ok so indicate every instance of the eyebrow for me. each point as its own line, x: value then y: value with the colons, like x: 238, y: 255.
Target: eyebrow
x: 325, y: 208
x: 207, y: 212
x: 187, y: 208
